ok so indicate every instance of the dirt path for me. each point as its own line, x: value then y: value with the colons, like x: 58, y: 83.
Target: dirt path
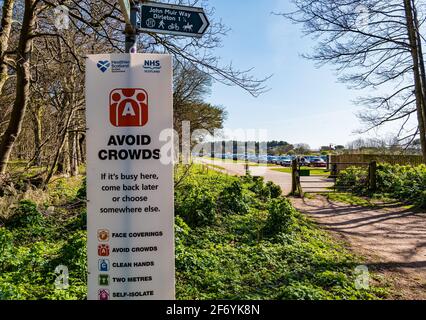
x: 391, y: 238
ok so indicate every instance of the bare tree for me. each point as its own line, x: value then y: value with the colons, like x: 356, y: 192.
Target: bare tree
x: 6, y: 26
x: 95, y: 26
x: 374, y: 44
x: 22, y: 83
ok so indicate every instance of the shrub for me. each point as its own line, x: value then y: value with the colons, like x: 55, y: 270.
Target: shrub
x: 280, y: 218
x: 353, y: 179
x: 257, y: 186
x: 232, y: 199
x: 82, y: 191
x: 25, y: 215
x: 195, y: 205
x: 404, y: 183
x: 274, y: 190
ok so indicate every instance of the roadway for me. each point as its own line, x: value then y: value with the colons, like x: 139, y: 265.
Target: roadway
x: 313, y: 183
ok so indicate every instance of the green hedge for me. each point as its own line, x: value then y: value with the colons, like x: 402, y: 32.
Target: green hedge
x: 405, y: 183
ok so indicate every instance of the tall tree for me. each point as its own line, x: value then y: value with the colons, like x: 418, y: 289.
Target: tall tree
x: 98, y: 27
x: 374, y: 44
x: 23, y: 75
x: 6, y: 26
x: 191, y: 86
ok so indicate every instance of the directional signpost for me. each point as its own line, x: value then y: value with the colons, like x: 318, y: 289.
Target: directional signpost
x: 129, y: 103
x: 173, y: 19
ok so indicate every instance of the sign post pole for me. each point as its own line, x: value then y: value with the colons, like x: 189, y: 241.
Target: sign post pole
x: 130, y: 10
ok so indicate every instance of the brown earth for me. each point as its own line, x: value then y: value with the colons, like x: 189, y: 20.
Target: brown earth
x: 392, y: 239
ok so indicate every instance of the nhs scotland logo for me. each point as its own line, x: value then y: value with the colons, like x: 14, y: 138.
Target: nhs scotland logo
x: 103, y: 65
x: 152, y: 66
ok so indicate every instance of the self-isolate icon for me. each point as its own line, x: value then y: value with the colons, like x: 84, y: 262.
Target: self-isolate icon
x: 128, y: 107
x: 103, y: 294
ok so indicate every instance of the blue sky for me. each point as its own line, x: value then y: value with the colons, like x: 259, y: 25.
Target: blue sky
x: 304, y: 104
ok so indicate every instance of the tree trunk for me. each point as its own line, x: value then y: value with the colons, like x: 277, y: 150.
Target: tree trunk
x: 73, y: 154
x: 22, y: 85
x: 420, y: 96
x: 81, y: 141
x: 63, y: 162
x: 421, y: 63
x: 37, y: 129
x: 6, y: 25
x: 61, y: 152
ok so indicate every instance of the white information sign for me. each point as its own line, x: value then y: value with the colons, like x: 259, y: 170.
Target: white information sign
x: 130, y: 211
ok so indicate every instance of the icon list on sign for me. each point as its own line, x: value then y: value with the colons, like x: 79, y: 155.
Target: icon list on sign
x: 103, y: 250
x: 104, y: 280
x: 104, y: 266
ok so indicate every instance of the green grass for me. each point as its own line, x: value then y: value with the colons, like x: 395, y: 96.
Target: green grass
x: 314, y: 171
x: 251, y: 164
x: 236, y: 238
x: 370, y: 202
x: 216, y: 166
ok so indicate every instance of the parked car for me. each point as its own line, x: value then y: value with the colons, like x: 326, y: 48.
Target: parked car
x: 304, y: 161
x: 318, y: 163
x: 285, y: 161
x: 275, y: 159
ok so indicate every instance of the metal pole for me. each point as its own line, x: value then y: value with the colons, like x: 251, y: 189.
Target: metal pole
x: 246, y: 159
x: 131, y: 30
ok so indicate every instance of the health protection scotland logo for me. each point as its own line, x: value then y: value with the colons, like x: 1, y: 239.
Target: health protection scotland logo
x: 103, y: 65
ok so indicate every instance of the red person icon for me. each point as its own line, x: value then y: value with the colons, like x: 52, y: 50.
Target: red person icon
x: 103, y: 250
x: 128, y: 107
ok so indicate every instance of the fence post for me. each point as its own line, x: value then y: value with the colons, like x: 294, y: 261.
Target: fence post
x: 373, y: 176
x: 295, y: 182
x: 333, y: 172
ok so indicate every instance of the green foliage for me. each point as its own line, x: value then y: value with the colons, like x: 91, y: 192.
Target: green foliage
x: 405, y: 183
x: 25, y: 215
x: 353, y: 179
x: 257, y: 186
x: 32, y: 245
x: 281, y: 217
x: 82, y: 192
x: 233, y: 200
x: 195, y: 204
x: 236, y: 238
x: 274, y: 190
x: 270, y: 252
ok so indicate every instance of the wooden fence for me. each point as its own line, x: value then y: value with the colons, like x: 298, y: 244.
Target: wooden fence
x: 413, y: 160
